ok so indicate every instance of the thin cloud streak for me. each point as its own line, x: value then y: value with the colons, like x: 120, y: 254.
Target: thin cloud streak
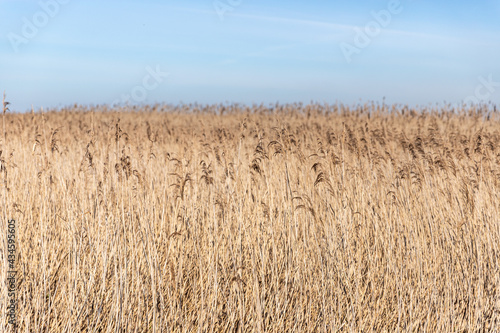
x: 345, y: 27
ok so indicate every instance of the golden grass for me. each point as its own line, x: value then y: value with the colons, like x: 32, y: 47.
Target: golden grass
x: 306, y: 218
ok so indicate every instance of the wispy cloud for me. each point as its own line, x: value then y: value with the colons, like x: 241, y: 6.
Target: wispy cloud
x: 346, y: 28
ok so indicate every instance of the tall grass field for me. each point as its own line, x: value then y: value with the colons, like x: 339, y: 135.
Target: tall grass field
x: 285, y: 218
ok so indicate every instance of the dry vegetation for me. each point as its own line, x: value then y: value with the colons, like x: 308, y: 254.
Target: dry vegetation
x: 300, y: 218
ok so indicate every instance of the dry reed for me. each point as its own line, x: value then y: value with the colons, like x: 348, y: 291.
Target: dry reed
x: 288, y: 218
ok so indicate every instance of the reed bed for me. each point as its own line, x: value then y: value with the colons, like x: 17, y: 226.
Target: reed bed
x: 284, y: 218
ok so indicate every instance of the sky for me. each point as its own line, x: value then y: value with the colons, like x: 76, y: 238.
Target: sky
x: 55, y: 53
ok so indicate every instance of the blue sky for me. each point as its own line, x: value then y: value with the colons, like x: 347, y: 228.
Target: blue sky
x: 248, y: 51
